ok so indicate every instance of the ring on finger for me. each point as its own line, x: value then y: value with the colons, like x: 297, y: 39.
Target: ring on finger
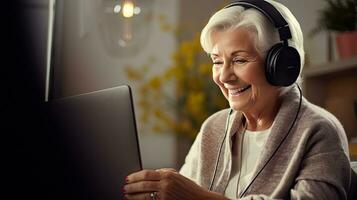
x: 153, y: 195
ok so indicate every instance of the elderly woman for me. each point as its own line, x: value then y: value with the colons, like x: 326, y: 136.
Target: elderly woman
x: 271, y: 143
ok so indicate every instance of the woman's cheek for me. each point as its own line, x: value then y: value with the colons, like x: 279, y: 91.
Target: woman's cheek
x: 215, y: 77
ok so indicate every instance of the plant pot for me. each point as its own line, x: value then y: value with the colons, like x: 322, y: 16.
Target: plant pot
x: 347, y: 44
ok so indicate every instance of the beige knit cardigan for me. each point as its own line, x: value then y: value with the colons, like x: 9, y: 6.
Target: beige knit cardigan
x: 311, y: 163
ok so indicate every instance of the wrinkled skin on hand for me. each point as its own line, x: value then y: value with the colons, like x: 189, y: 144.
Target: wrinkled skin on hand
x: 169, y: 185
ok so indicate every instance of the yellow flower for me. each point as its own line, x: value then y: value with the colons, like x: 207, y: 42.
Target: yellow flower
x: 195, y: 100
x: 205, y: 69
x: 196, y: 95
x: 155, y: 83
x: 131, y: 73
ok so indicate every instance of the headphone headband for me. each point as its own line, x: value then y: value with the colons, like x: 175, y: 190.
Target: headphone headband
x: 270, y: 12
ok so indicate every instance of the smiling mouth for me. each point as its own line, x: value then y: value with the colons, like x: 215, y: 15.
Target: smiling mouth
x: 239, y: 91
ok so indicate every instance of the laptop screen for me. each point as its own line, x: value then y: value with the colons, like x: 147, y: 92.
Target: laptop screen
x: 96, y: 144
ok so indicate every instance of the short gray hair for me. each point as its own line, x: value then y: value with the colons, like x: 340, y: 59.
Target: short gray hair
x: 265, y: 34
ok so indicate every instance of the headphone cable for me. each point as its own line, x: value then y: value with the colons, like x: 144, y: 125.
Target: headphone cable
x: 224, y: 138
x: 271, y: 157
x: 220, y: 148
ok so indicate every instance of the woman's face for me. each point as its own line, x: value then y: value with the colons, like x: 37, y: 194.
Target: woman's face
x: 238, y: 70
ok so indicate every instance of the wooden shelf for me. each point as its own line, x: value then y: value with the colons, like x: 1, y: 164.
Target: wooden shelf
x: 353, y: 151
x: 329, y: 68
x: 333, y: 87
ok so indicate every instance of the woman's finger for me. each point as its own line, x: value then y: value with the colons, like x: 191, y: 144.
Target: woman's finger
x: 143, y: 175
x: 167, y: 170
x: 138, y: 196
x: 142, y: 186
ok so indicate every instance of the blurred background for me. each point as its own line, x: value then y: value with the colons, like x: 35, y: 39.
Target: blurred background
x: 78, y: 46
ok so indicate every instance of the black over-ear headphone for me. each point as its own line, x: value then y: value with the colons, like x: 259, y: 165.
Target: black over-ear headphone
x: 282, y: 64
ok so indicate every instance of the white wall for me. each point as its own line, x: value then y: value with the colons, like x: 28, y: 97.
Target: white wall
x: 306, y: 12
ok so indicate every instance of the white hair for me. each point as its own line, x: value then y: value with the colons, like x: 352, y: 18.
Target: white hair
x: 264, y: 32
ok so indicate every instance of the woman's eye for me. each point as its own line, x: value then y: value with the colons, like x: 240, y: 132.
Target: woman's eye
x: 239, y: 61
x: 217, y: 63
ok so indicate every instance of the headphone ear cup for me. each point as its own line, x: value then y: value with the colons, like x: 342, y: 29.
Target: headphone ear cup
x: 270, y: 63
x: 282, y: 65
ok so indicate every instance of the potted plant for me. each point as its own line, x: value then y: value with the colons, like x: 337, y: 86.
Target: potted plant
x: 340, y: 16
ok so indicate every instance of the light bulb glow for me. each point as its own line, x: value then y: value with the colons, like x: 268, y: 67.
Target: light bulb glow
x: 117, y: 8
x: 137, y: 10
x: 128, y: 9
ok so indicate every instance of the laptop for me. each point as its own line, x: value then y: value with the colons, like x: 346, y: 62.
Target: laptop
x: 95, y: 139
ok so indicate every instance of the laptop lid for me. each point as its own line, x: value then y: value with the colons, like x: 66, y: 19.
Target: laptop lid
x: 96, y: 143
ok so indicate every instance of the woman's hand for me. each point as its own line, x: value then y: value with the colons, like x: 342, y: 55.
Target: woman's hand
x: 168, y: 184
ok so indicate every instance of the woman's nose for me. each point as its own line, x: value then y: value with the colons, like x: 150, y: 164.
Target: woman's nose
x: 227, y: 73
